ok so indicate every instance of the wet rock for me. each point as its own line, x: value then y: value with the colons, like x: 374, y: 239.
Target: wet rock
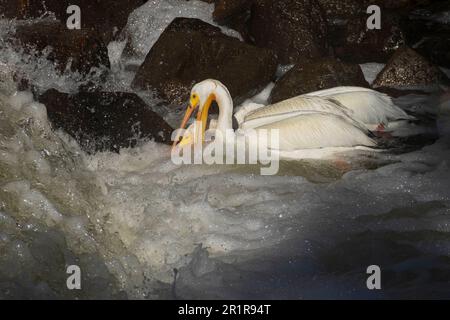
x: 339, y: 11
x: 81, y: 49
x: 104, y: 17
x: 354, y: 42
x: 24, y: 9
x: 321, y: 74
x: 234, y: 14
x: 436, y: 49
x: 401, y: 4
x: 428, y: 32
x: 294, y: 29
x: 224, y: 9
x: 396, y: 93
x: 102, y: 121
x: 107, y: 18
x: 191, y: 50
x: 409, y: 69
x: 428, y: 20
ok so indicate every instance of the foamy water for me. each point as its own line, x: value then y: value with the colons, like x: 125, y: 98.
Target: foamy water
x: 141, y: 227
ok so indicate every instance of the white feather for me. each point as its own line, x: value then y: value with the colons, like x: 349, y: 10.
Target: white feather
x: 293, y: 107
x: 368, y: 106
x: 317, y: 130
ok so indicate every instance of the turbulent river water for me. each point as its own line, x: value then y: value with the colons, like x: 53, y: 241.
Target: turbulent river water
x: 142, y: 227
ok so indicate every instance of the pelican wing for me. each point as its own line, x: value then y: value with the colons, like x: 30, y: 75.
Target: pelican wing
x: 314, y: 131
x: 245, y: 110
x: 294, y: 107
x: 368, y: 106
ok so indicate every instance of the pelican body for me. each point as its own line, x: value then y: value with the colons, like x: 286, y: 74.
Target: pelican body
x: 337, y: 118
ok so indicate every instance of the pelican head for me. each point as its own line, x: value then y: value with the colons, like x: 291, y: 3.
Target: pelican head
x: 201, y: 98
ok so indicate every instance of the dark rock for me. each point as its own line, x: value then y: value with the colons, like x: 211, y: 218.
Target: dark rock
x: 234, y: 14
x: 436, y: 49
x: 102, y: 16
x: 224, y: 9
x: 427, y: 21
x: 295, y: 29
x: 191, y: 50
x: 339, y: 11
x: 344, y: 10
x: 321, y: 74
x: 81, y: 48
x: 102, y: 121
x: 428, y: 31
x: 396, y: 93
x: 401, y: 4
x: 354, y: 42
x: 407, y: 68
x: 24, y: 9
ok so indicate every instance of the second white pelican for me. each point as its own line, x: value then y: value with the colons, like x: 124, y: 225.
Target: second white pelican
x: 336, y: 118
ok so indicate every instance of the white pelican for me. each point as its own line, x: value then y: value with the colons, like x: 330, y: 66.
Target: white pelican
x: 372, y: 108
x: 338, y: 118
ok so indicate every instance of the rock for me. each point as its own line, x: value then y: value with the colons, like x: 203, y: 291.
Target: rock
x: 429, y: 19
x: 24, y: 9
x: 409, y: 69
x: 436, y: 49
x: 102, y: 121
x: 338, y: 11
x: 354, y: 42
x: 401, y: 4
x: 104, y: 17
x: 81, y: 48
x: 234, y: 14
x: 428, y: 31
x: 224, y: 9
x: 321, y: 74
x: 295, y: 29
x: 396, y: 93
x: 190, y: 50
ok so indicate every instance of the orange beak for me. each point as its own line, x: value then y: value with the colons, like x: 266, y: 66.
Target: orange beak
x: 194, y: 103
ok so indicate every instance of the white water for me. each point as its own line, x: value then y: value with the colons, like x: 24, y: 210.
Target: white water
x: 146, y: 24
x: 129, y: 220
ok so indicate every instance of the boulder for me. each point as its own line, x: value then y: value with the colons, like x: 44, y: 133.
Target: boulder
x: 224, y: 9
x: 354, y: 42
x: 409, y: 69
x: 190, y: 50
x: 102, y: 121
x: 436, y: 49
x: 321, y: 74
x: 83, y: 49
x: 101, y: 16
x: 24, y: 9
x: 428, y: 20
x: 339, y: 11
x: 234, y: 14
x: 401, y: 4
x: 294, y: 29
x: 428, y: 31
